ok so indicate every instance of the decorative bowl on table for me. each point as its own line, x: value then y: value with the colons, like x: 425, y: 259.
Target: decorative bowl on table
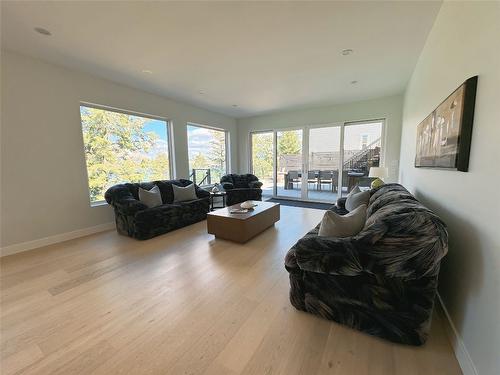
x: 248, y: 205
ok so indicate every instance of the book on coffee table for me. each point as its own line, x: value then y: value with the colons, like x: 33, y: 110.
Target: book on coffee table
x: 238, y: 211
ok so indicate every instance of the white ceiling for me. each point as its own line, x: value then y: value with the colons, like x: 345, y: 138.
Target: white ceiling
x: 262, y: 56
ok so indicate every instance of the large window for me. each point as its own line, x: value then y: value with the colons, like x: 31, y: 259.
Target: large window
x: 123, y: 147
x: 207, y: 149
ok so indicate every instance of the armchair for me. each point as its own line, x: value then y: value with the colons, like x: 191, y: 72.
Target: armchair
x: 240, y: 188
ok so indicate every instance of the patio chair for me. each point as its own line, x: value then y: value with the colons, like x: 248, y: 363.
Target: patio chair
x: 312, y: 178
x: 293, y: 178
x: 326, y: 177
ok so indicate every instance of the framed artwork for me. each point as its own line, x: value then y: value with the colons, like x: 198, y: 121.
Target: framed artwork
x: 444, y: 137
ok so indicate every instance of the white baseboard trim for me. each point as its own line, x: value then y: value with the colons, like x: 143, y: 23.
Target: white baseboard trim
x: 461, y: 353
x: 30, y: 245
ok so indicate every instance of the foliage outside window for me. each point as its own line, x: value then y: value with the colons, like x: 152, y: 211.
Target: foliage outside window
x: 121, y: 147
x: 262, y: 156
x: 207, y: 154
x: 289, y: 144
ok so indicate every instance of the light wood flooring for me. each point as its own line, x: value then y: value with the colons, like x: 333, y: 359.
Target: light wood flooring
x: 184, y: 303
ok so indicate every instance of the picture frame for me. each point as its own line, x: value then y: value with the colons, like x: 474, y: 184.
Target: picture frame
x: 444, y: 136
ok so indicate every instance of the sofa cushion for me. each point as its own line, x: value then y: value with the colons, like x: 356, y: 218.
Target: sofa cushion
x: 184, y: 193
x: 334, y: 225
x: 240, y: 181
x: 197, y: 205
x: 150, y: 198
x: 355, y: 200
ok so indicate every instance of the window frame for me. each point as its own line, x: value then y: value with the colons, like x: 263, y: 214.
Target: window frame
x: 171, y: 163
x: 226, y: 145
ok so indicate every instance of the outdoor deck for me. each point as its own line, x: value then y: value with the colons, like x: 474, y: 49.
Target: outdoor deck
x: 315, y: 195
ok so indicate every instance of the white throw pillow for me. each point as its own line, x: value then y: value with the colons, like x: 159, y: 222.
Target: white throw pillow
x: 334, y: 225
x: 150, y: 198
x: 354, y: 200
x: 182, y: 193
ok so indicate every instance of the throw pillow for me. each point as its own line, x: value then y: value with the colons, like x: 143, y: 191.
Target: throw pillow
x: 150, y: 198
x: 357, y: 199
x: 184, y: 193
x: 334, y: 225
x: 354, y: 190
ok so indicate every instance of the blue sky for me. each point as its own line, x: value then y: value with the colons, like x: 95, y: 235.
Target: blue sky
x: 158, y: 127
x: 198, y: 140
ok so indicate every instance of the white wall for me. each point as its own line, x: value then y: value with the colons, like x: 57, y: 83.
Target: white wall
x: 389, y: 108
x: 44, y: 186
x: 465, y: 41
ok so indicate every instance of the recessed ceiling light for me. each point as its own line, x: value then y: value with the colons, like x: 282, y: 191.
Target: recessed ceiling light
x: 346, y: 52
x: 201, y: 92
x: 147, y: 71
x: 354, y: 82
x: 41, y: 30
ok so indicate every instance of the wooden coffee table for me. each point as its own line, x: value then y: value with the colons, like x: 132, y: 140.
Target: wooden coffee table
x: 242, y: 227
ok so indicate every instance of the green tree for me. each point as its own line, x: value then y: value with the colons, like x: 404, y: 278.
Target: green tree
x: 118, y: 149
x: 289, y: 143
x: 199, y: 161
x: 262, y: 155
x: 159, y: 167
x: 217, y: 154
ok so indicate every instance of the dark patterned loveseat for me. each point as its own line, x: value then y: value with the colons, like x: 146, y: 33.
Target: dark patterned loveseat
x: 382, y: 281
x: 136, y: 220
x: 241, y: 187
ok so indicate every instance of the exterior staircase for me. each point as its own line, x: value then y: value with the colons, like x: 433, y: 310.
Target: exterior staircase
x: 364, y: 159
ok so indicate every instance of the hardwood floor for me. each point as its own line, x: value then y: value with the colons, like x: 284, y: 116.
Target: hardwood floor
x: 184, y: 303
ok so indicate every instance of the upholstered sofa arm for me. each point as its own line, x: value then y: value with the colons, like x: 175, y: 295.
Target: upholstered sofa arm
x: 335, y: 256
x: 121, y: 199
x: 255, y: 184
x: 129, y: 206
x: 201, y: 193
x: 227, y: 185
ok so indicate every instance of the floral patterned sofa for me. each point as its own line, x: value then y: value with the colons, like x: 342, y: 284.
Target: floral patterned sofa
x: 383, y: 281
x: 136, y: 220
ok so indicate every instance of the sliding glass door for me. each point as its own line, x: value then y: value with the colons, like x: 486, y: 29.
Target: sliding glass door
x: 262, y: 159
x: 317, y: 163
x: 289, y: 162
x: 324, y: 163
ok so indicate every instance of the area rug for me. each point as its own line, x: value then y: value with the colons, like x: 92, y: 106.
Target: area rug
x: 286, y: 202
